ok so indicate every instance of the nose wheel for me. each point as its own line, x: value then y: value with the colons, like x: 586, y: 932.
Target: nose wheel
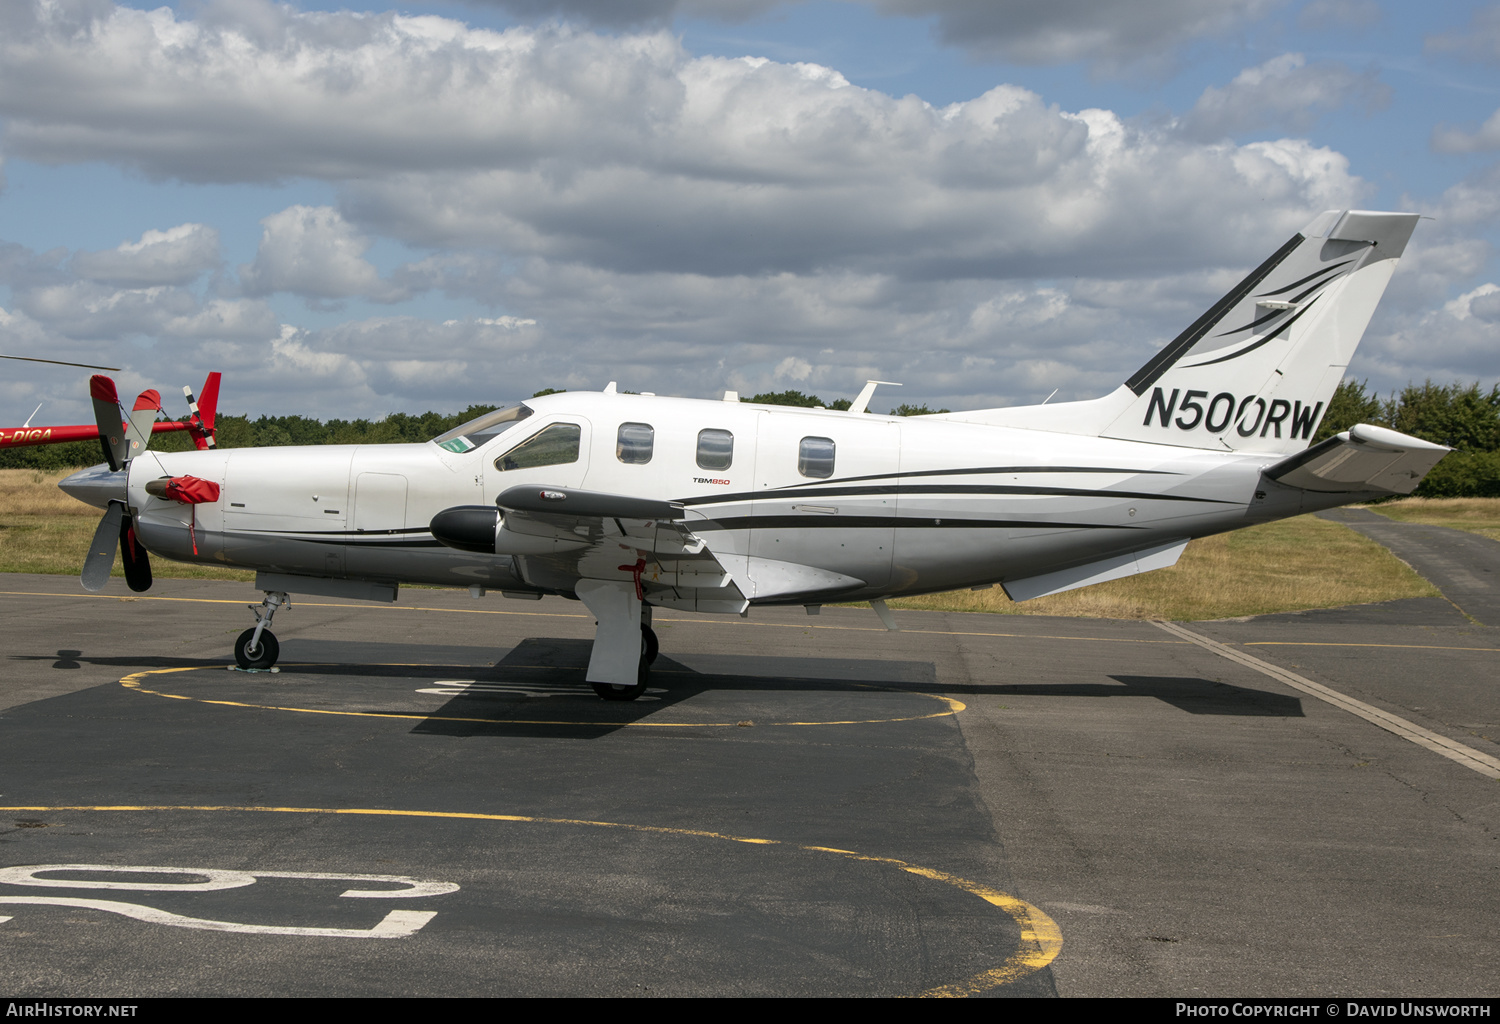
x: 256, y: 647
x: 248, y: 653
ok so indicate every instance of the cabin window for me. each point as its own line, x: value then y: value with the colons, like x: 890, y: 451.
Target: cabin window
x: 715, y: 449
x: 634, y: 443
x: 554, y: 445
x: 468, y: 436
x: 815, y: 457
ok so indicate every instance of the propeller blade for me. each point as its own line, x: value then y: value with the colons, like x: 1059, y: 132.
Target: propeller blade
x: 111, y: 423
x: 137, y: 561
x: 101, y: 558
x: 142, y: 415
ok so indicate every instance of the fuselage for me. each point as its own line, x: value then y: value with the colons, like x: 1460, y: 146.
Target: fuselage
x: 889, y: 505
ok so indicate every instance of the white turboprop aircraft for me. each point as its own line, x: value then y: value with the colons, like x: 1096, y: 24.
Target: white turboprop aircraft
x: 629, y: 502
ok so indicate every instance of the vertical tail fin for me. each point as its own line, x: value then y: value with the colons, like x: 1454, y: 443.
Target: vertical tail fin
x: 1256, y: 372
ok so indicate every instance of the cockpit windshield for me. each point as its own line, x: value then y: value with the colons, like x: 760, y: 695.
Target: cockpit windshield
x: 477, y: 432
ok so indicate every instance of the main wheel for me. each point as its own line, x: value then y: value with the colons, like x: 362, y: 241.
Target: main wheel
x: 611, y: 691
x: 262, y: 656
x: 650, y: 647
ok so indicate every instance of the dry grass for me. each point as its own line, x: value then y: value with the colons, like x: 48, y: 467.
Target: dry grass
x: 1277, y: 567
x: 31, y: 492
x: 43, y: 530
x: 1476, y: 515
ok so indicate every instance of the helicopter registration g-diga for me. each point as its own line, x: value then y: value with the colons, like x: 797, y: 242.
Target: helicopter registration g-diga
x: 633, y: 502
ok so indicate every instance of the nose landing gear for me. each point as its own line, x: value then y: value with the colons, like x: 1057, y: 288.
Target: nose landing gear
x: 256, y: 647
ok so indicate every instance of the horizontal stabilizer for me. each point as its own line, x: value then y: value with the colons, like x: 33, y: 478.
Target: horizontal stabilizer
x: 1163, y: 556
x: 1363, y: 458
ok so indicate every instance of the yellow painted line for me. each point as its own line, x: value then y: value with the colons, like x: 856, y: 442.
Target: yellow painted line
x: 133, y: 682
x: 1453, y: 750
x: 1408, y: 647
x: 724, y: 621
x: 1040, y: 939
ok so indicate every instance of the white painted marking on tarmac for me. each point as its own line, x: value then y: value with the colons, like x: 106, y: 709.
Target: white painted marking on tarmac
x: 216, y: 878
x: 1461, y: 753
x: 472, y: 687
x: 414, y: 886
x: 397, y: 924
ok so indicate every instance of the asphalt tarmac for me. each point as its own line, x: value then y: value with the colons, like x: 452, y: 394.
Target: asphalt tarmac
x: 426, y: 800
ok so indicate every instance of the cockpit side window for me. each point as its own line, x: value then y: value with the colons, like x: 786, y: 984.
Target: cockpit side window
x: 553, y: 445
x: 634, y: 444
x: 715, y: 449
x: 477, y: 432
x: 815, y: 457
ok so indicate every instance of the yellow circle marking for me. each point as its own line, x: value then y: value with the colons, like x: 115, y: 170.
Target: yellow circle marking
x: 133, y: 682
x: 1040, y: 942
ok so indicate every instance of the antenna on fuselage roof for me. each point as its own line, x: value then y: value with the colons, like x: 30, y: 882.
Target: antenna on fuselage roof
x: 868, y: 393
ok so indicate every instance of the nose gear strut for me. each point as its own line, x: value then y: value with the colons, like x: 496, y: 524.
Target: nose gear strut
x: 256, y: 647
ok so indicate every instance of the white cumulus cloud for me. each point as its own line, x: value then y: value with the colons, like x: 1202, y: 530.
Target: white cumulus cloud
x: 1284, y: 92
x: 175, y: 256
x: 313, y: 252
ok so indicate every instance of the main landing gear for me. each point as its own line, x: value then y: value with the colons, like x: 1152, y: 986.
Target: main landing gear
x: 256, y: 647
x: 649, y: 649
x: 624, y: 643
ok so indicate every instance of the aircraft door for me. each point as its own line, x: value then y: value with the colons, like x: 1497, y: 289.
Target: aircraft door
x: 555, y: 452
x: 805, y: 515
x: 379, y: 503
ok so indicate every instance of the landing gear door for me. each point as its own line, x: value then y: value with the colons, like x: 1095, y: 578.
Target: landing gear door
x: 825, y: 499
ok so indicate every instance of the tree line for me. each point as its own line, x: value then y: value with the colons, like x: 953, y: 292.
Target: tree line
x: 1464, y: 417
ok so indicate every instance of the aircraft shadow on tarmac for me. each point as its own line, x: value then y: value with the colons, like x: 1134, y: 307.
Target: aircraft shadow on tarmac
x: 71, y: 659
x: 554, y: 668
x: 1194, y: 695
x: 501, y: 699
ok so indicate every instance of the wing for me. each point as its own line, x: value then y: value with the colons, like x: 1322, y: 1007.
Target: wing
x: 560, y: 535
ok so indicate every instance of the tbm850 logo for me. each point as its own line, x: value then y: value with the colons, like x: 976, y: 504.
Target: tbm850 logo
x: 1250, y: 415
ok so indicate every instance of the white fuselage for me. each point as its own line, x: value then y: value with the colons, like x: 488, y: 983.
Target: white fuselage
x: 904, y: 505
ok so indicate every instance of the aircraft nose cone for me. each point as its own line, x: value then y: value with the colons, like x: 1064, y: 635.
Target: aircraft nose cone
x: 95, y: 485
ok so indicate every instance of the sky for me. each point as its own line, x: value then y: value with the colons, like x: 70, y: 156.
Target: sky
x: 354, y: 210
